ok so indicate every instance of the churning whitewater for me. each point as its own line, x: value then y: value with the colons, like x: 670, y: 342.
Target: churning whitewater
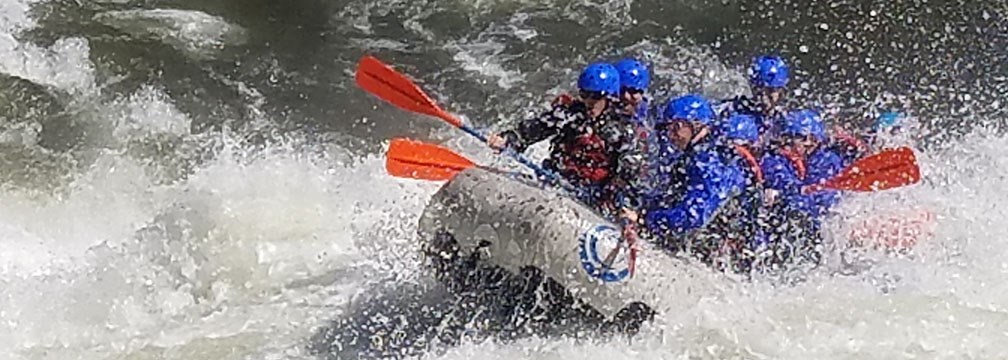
x: 191, y: 180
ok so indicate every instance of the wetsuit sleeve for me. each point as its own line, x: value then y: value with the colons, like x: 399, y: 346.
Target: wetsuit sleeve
x: 778, y: 174
x: 823, y: 165
x: 536, y: 129
x: 708, y: 182
x: 726, y: 107
x: 629, y: 153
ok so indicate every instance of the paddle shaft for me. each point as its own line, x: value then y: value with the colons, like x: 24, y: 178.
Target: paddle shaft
x: 629, y: 238
x: 539, y: 170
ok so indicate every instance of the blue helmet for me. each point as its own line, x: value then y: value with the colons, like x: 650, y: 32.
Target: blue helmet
x: 600, y: 77
x: 804, y: 123
x: 691, y: 107
x: 887, y: 120
x: 633, y: 74
x: 769, y: 71
x: 740, y: 127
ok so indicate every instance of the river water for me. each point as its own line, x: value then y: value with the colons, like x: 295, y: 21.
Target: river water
x: 203, y: 180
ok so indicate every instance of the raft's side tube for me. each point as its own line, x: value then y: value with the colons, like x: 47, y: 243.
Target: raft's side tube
x: 513, y: 224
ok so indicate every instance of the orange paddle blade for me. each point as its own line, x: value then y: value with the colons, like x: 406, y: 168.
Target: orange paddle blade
x: 885, y: 170
x: 418, y: 160
x: 392, y: 86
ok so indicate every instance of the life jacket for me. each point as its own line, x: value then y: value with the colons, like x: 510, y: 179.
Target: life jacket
x: 563, y: 100
x: 849, y: 146
x: 848, y: 139
x: 797, y: 160
x: 754, y: 164
x: 582, y: 152
x: 586, y: 158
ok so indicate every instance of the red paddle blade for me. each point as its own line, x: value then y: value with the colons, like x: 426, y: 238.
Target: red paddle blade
x: 416, y: 160
x: 885, y: 170
x: 392, y: 86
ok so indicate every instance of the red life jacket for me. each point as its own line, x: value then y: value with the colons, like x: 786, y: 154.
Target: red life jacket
x: 563, y: 99
x: 586, y: 158
x: 848, y: 139
x: 753, y: 164
x: 797, y: 160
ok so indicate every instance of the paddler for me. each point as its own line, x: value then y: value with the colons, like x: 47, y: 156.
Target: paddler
x: 689, y: 188
x: 745, y: 241
x: 593, y: 146
x: 634, y: 103
x: 790, y: 171
x: 634, y: 81
x: 768, y: 79
x: 885, y: 132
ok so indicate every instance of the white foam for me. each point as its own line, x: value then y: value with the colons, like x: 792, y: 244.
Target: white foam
x: 485, y: 59
x: 146, y: 112
x: 118, y: 264
x: 177, y: 265
x: 14, y: 16
x: 64, y: 65
x: 193, y: 32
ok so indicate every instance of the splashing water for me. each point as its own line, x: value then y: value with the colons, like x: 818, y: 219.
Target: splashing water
x: 135, y: 236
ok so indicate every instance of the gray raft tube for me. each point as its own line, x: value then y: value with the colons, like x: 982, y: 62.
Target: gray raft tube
x: 481, y: 219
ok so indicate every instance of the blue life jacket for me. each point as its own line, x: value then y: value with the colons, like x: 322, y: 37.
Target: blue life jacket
x: 789, y: 176
x: 688, y: 188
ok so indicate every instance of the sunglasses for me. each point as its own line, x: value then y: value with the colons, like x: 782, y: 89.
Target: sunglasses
x: 771, y: 92
x: 632, y: 91
x: 591, y: 95
x: 675, y: 125
x: 805, y: 140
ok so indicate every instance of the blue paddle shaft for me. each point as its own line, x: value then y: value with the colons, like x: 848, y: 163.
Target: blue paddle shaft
x: 539, y: 170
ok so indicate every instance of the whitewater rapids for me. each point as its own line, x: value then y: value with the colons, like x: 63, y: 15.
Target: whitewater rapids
x: 224, y: 248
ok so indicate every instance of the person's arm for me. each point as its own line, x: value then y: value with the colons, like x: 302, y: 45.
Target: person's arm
x: 779, y: 174
x: 629, y: 151
x: 708, y: 181
x: 780, y: 179
x: 823, y: 165
x: 854, y: 146
x: 536, y: 129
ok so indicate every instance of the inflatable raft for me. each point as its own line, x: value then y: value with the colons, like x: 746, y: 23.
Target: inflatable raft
x: 482, y: 218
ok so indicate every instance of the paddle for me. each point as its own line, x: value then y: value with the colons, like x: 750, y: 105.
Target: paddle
x: 388, y: 84
x: 886, y: 170
x: 416, y: 160
x: 413, y: 159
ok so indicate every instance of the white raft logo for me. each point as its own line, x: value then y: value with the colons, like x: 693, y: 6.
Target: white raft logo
x: 604, y: 254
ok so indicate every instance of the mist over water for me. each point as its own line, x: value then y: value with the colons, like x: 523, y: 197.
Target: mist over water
x: 202, y: 179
